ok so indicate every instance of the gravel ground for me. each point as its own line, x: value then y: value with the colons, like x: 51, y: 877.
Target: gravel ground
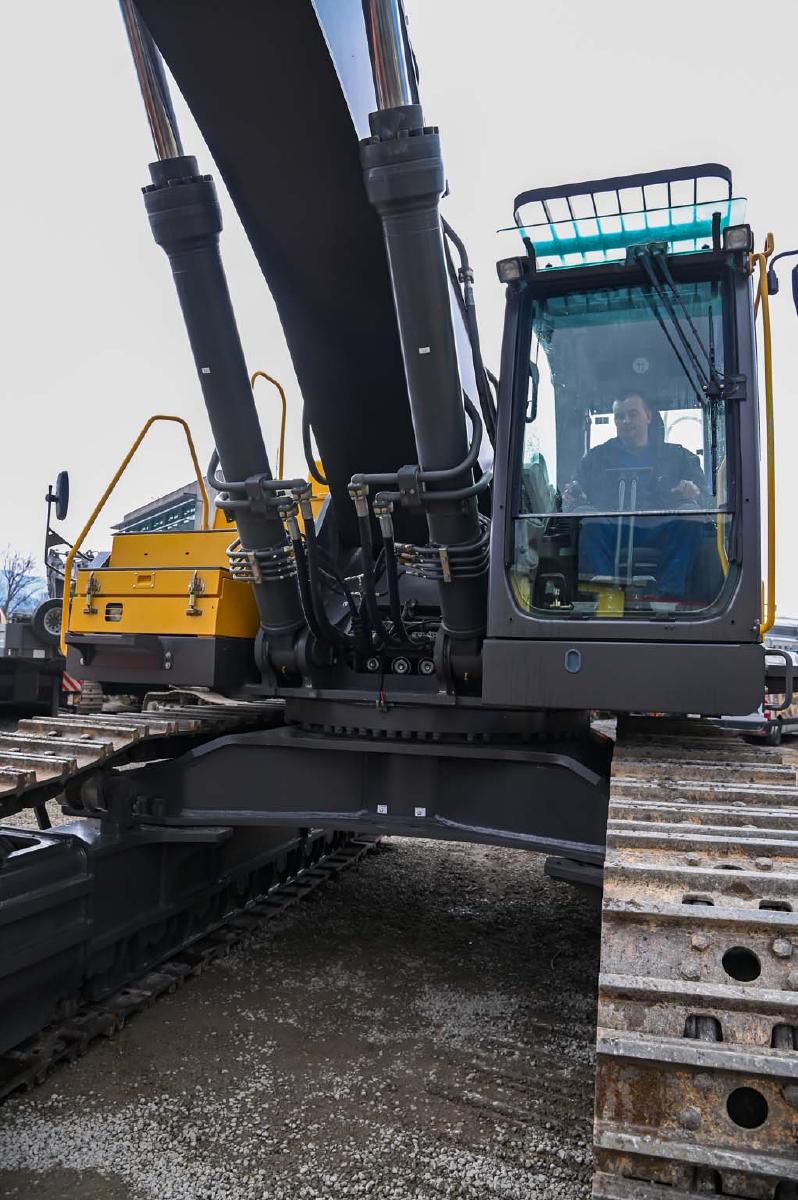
x: 421, y: 1028
x: 27, y: 818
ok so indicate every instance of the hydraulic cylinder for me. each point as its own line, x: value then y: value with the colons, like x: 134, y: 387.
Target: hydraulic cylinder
x: 186, y: 221
x: 404, y: 177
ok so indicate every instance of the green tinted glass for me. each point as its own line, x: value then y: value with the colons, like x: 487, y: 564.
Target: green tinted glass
x: 685, y: 228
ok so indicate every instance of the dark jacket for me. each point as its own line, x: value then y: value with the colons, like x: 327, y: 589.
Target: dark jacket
x: 662, y: 466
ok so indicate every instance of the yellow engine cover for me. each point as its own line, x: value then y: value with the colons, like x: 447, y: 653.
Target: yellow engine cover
x: 166, y: 583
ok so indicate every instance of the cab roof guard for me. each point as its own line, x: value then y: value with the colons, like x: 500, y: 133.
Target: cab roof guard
x: 597, y: 220
x: 622, y: 183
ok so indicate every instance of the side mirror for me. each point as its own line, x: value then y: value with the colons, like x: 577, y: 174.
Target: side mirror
x: 773, y: 282
x: 61, y: 491
x: 795, y: 287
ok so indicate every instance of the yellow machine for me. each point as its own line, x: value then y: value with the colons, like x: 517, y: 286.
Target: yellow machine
x: 166, y: 584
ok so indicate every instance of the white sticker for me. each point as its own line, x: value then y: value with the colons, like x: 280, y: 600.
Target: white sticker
x: 421, y: 812
x: 382, y: 809
x: 423, y: 349
x: 205, y: 370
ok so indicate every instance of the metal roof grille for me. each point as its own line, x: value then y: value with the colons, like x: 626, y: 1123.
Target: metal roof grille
x: 598, y: 220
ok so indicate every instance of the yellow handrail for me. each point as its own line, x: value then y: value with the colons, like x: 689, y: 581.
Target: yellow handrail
x: 769, y: 606
x: 67, y: 597
x: 279, y: 386
x: 769, y: 248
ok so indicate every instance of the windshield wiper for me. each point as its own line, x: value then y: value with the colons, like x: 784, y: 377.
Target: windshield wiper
x: 661, y: 322
x: 705, y: 380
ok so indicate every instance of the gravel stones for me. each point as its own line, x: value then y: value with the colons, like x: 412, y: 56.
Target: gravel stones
x: 421, y: 1028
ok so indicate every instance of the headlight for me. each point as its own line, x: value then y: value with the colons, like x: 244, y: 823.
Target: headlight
x: 510, y: 270
x: 738, y: 237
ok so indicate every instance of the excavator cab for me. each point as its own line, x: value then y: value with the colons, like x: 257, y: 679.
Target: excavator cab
x: 629, y: 447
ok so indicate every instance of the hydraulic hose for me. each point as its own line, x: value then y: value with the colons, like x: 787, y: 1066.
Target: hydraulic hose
x: 475, y: 489
x: 392, y: 577
x: 267, y: 485
x: 467, y: 305
x: 329, y: 631
x: 369, y: 584
x: 329, y: 571
x: 383, y: 508
x: 445, y: 474
x: 303, y: 580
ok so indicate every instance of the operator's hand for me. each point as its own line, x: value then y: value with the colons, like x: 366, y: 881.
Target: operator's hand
x: 685, y: 490
x: 572, y: 494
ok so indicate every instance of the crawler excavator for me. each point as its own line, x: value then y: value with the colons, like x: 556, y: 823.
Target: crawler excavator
x: 489, y: 568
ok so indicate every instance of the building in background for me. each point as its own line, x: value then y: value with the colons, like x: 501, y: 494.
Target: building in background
x: 178, y: 510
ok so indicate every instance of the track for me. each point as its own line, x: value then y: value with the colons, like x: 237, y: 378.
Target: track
x: 697, y: 1063
x: 47, y: 756
x: 91, y: 909
x: 29, y: 1064
x: 697, y: 1070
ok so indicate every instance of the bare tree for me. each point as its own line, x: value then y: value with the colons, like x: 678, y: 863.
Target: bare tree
x: 18, y: 584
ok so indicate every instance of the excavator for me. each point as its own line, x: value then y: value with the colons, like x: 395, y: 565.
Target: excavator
x: 430, y: 621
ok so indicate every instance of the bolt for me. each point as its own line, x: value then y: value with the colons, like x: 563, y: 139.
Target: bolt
x: 699, y: 941
x: 790, y: 1094
x: 703, y: 1083
x: 782, y: 948
x: 689, y: 970
x: 792, y: 981
x: 763, y: 864
x: 694, y: 860
x: 690, y: 1118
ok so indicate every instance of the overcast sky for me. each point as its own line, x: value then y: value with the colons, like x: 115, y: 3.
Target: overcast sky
x: 525, y: 94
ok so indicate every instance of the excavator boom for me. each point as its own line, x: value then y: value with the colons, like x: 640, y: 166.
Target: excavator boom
x: 264, y: 88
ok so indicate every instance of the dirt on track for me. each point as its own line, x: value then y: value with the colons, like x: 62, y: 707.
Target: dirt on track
x: 422, y: 1027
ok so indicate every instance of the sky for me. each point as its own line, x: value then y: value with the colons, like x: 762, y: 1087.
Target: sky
x: 525, y: 95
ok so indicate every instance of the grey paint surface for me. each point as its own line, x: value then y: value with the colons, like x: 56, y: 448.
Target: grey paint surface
x: 624, y: 676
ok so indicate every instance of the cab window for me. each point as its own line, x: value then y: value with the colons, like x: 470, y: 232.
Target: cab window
x: 622, y: 495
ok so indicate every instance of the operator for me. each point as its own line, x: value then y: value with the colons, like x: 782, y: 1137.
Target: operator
x: 659, y: 474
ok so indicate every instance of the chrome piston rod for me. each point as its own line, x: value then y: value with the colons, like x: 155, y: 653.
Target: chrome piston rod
x: 152, y: 81
x: 389, y: 55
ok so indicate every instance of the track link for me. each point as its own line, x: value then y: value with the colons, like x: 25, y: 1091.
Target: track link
x: 697, y: 1043
x: 46, y: 755
x: 27, y: 1065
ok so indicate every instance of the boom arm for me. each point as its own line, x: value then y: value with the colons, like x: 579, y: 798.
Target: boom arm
x: 264, y: 90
